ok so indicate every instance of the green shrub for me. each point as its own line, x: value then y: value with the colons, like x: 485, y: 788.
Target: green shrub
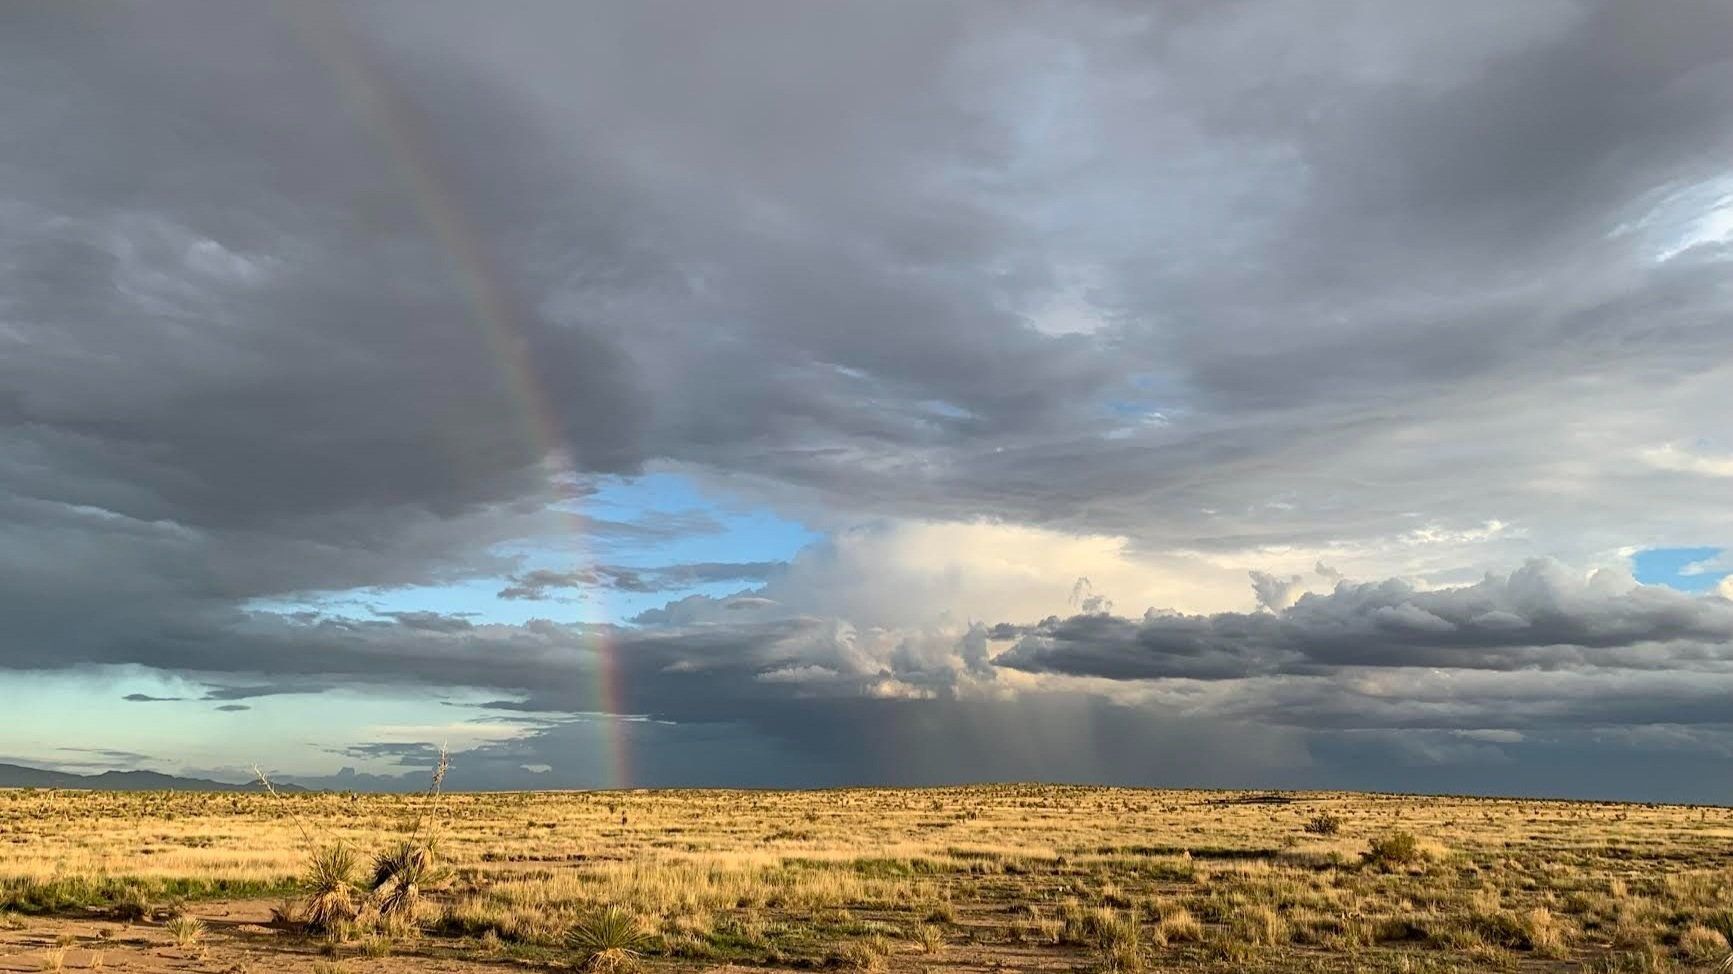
x: 1393, y: 849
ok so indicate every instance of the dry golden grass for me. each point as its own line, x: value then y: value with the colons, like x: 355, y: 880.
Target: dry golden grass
x: 1026, y: 876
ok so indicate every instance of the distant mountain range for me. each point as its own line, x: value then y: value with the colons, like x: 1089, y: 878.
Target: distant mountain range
x: 19, y: 776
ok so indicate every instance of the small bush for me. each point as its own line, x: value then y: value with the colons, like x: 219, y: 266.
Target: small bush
x: 1392, y: 850
x: 1701, y: 945
x: 1177, y: 925
x: 131, y: 905
x: 1323, y: 823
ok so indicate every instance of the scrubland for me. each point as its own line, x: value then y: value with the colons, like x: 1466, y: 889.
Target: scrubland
x: 1014, y: 877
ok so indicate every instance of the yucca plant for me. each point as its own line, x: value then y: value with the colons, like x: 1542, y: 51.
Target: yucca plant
x: 330, y: 888
x: 608, y: 940
x: 187, y: 931
x: 400, y: 873
x: 329, y: 883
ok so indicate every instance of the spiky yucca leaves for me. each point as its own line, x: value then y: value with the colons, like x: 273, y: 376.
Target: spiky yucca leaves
x: 187, y: 931
x: 330, y: 888
x: 400, y: 874
x: 608, y: 940
x: 408, y: 867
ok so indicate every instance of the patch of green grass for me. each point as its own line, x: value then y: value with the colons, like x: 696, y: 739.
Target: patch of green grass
x: 75, y: 893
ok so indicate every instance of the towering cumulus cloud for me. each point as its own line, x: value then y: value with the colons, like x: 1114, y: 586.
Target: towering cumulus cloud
x: 640, y: 392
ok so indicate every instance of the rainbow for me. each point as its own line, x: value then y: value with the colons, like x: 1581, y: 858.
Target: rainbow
x: 490, y: 304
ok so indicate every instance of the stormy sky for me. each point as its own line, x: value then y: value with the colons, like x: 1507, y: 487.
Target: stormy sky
x: 1234, y: 393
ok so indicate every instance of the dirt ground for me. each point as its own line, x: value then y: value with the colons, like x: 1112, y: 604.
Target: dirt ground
x: 240, y: 937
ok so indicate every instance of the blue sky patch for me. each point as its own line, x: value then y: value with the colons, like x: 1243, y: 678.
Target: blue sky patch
x: 1686, y: 569
x: 683, y: 526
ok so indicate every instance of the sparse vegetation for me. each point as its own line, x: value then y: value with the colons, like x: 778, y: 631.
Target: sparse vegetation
x: 1054, y: 877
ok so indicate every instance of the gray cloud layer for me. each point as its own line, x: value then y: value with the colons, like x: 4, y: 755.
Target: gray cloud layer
x: 545, y: 583
x: 298, y: 298
x: 1539, y: 617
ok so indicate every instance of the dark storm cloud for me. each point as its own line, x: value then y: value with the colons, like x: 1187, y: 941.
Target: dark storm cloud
x: 1539, y: 647
x: 1081, y: 738
x: 254, y: 348
x: 249, y: 692
x: 539, y: 584
x: 795, y: 743
x: 1540, y: 616
x: 430, y: 621
x: 147, y: 698
x: 422, y: 754
x: 107, y: 755
x: 544, y: 583
x: 300, y: 298
x: 873, y: 256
